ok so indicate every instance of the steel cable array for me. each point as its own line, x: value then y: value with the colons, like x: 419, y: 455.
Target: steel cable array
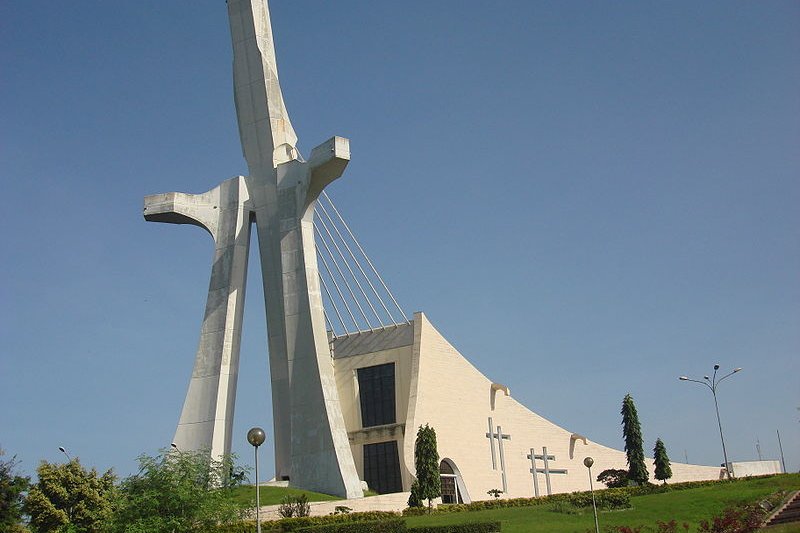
x: 351, y: 285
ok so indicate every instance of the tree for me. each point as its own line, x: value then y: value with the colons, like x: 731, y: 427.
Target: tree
x: 12, y: 494
x: 632, y: 433
x: 426, y: 461
x: 661, y: 460
x: 177, y: 491
x: 68, y: 497
x: 613, y: 478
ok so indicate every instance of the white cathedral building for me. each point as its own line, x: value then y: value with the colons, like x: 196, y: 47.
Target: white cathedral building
x: 346, y: 406
x: 394, y: 380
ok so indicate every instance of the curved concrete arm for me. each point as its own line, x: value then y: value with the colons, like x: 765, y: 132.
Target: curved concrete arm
x: 326, y: 163
x: 180, y: 208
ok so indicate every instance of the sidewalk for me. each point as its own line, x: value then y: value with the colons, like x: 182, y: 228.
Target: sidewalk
x: 383, y: 502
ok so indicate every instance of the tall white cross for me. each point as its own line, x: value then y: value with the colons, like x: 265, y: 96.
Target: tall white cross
x: 279, y: 195
x: 545, y: 458
x: 498, y: 435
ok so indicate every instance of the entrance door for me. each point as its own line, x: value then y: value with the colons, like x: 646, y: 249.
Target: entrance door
x: 450, y: 492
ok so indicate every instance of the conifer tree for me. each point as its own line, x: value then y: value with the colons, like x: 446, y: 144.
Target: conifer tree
x: 632, y: 433
x: 661, y: 460
x: 426, y: 461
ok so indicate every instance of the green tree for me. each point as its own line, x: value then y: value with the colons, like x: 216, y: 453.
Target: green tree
x: 663, y: 469
x: 177, y: 492
x: 426, y: 461
x: 69, y: 498
x: 632, y: 433
x: 613, y: 478
x: 12, y: 494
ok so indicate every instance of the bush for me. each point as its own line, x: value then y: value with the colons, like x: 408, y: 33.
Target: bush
x: 605, y: 499
x: 383, y: 526
x: 292, y: 506
x: 286, y: 525
x: 613, y: 478
x: 735, y: 519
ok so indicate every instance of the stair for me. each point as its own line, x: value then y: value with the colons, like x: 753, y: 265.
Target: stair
x: 788, y: 513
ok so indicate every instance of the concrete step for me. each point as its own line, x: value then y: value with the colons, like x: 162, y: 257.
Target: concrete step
x: 788, y: 513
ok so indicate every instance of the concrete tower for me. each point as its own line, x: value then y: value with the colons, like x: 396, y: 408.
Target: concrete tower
x: 279, y: 194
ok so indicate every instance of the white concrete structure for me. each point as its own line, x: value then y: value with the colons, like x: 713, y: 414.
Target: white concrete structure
x: 311, y: 445
x: 755, y: 468
x: 345, y: 408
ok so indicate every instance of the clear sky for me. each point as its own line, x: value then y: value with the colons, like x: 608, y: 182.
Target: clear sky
x: 587, y: 199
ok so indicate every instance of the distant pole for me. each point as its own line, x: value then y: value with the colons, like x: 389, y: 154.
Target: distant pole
x: 712, y: 384
x: 783, y: 461
x: 686, y: 456
x: 588, y: 462
x: 64, y: 451
x: 256, y: 437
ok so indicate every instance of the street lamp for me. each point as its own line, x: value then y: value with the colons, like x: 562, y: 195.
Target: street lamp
x: 64, y: 451
x: 712, y: 383
x: 588, y: 462
x: 256, y: 438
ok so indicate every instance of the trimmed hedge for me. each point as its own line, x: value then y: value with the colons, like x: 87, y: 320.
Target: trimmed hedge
x: 395, y: 525
x: 287, y: 525
x: 474, y: 527
x: 607, y: 499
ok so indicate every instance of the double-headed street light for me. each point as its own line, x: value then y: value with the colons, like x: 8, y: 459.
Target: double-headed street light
x: 712, y: 383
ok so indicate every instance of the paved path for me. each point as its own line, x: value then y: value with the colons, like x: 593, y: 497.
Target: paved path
x: 383, y: 502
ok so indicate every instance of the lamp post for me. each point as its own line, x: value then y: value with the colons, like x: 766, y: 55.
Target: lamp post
x: 64, y: 451
x: 712, y: 383
x: 588, y: 462
x: 256, y: 438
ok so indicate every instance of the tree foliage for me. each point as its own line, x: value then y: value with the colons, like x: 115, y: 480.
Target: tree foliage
x: 68, y: 497
x: 613, y: 478
x: 663, y: 470
x: 426, y: 461
x: 177, y: 491
x: 12, y: 493
x: 632, y: 433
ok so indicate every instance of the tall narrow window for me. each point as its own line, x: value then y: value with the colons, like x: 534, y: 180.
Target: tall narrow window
x: 376, y: 392
x: 382, y: 467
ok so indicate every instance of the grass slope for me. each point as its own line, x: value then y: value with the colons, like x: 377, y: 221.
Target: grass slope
x: 690, y: 506
x: 246, y: 495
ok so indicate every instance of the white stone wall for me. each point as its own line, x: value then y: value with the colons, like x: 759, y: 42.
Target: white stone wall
x: 438, y: 386
x: 755, y: 468
x: 455, y: 399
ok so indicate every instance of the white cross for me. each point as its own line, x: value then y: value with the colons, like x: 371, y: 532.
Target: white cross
x: 500, y: 436
x: 546, y: 470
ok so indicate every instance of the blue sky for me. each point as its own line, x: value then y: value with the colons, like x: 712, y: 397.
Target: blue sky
x: 586, y: 198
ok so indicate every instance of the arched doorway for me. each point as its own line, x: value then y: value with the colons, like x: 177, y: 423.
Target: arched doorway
x: 453, y: 488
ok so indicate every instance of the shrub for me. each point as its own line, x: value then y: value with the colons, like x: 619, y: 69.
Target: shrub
x: 613, y: 478
x: 294, y: 506
x: 383, y: 526
x: 735, y: 519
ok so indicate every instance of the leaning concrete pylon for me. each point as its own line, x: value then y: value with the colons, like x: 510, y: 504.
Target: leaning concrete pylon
x: 311, y: 444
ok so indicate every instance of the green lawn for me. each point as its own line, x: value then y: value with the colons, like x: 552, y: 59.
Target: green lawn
x: 246, y: 495
x: 688, y: 506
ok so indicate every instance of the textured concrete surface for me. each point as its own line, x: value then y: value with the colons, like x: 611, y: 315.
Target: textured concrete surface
x: 279, y: 194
